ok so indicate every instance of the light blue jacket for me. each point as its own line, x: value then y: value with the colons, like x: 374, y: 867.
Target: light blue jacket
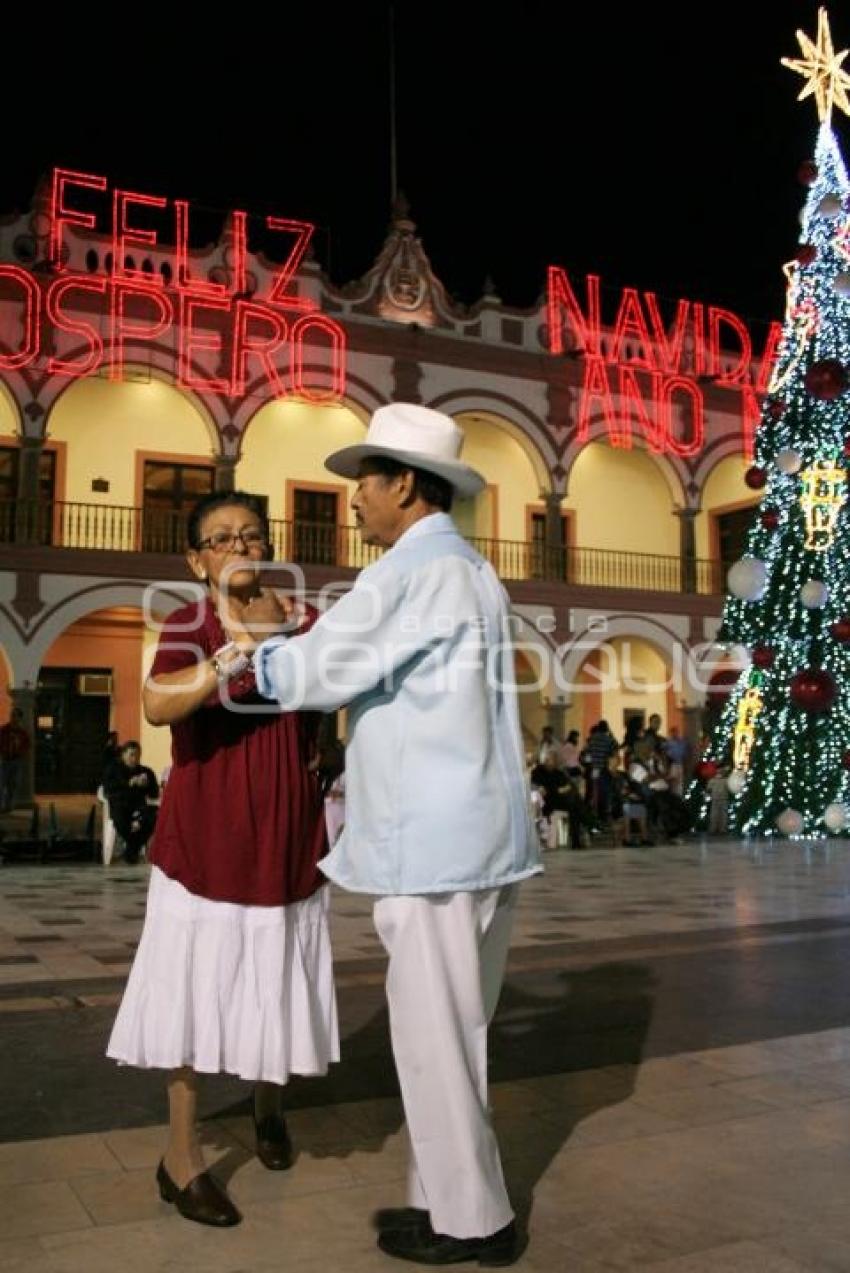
x: 420, y: 651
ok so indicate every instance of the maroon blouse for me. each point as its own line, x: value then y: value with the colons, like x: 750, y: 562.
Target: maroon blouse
x: 241, y: 819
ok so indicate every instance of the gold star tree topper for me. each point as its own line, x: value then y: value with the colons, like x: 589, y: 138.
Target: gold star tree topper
x: 820, y: 67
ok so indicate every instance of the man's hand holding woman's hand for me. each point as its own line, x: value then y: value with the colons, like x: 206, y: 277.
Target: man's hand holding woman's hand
x: 263, y: 616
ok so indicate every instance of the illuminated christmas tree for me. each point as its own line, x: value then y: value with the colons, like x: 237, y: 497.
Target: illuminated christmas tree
x: 785, y: 727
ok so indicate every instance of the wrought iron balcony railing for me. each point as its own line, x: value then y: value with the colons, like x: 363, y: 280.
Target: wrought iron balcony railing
x: 117, y: 528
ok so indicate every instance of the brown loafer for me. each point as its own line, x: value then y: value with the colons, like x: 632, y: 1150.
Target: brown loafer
x: 274, y: 1147
x: 203, y: 1200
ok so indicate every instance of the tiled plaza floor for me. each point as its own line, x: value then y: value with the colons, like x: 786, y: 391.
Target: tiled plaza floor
x: 670, y: 1063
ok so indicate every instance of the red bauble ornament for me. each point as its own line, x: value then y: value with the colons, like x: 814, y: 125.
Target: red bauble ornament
x: 763, y: 656
x: 826, y: 379
x: 845, y: 760
x: 806, y: 253
x: 813, y: 689
x: 847, y: 447
x: 776, y: 408
x: 769, y: 519
x: 807, y: 172
x: 706, y: 769
x: 755, y: 477
x: 840, y: 630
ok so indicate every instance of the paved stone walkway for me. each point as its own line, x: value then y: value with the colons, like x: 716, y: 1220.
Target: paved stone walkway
x: 670, y: 1063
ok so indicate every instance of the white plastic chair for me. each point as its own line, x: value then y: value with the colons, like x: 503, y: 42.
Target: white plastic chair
x: 109, y: 834
x: 559, y: 830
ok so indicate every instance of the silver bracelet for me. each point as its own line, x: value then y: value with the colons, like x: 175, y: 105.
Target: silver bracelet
x: 232, y: 666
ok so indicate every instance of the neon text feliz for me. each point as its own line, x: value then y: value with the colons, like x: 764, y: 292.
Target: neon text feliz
x: 649, y: 365
x: 212, y: 318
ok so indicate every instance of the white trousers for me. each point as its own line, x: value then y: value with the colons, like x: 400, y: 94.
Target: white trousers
x: 447, y: 956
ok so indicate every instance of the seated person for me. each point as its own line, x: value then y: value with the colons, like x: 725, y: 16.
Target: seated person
x: 560, y: 793
x: 629, y: 803
x: 128, y: 786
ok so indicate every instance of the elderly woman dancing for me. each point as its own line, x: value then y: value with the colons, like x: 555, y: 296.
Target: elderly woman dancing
x: 233, y: 973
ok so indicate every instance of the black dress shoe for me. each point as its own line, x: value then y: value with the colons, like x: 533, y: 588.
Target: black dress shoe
x: 202, y: 1200
x: 423, y: 1246
x: 389, y: 1218
x: 274, y: 1148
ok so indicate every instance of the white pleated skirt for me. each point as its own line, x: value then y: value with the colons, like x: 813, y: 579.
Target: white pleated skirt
x: 224, y: 988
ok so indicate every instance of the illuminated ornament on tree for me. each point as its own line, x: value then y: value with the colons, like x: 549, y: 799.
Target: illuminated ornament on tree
x: 747, y: 579
x: 706, y: 769
x: 763, y: 656
x: 789, y: 461
x: 826, y: 379
x: 806, y: 253
x: 755, y: 477
x: 749, y: 706
x: 812, y: 690
x: 790, y: 822
x: 840, y: 630
x: 824, y: 491
x: 776, y: 408
x: 736, y: 781
x: 841, y: 283
x: 769, y: 519
x: 814, y: 594
x: 835, y: 816
x: 830, y: 207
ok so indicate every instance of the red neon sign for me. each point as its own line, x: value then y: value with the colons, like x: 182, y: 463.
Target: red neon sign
x: 30, y: 327
x: 219, y: 332
x: 647, y: 361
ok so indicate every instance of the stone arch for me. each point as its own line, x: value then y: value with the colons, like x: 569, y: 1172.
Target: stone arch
x: 161, y: 371
x: 673, y: 648
x: 84, y: 601
x: 360, y: 397
x: 676, y: 475
x: 510, y: 415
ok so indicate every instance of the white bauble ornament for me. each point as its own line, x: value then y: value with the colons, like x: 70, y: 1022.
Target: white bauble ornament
x: 835, y: 816
x: 735, y: 781
x: 841, y: 283
x: 747, y: 579
x: 790, y: 822
x: 789, y: 461
x: 814, y: 594
x: 830, y: 207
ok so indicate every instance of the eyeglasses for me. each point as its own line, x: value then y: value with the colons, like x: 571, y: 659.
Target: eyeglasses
x: 223, y: 540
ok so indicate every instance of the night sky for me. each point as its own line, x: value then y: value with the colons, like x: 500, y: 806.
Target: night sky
x: 657, y: 146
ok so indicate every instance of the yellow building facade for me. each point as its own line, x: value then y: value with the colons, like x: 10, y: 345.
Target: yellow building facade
x: 613, y: 555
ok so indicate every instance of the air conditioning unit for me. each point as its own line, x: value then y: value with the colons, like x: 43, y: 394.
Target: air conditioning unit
x: 90, y: 684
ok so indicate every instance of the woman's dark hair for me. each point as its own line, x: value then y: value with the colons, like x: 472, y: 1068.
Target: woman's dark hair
x: 573, y: 736
x: 428, y: 486
x: 224, y: 499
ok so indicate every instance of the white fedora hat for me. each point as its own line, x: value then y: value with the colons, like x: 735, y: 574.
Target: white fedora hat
x: 413, y: 435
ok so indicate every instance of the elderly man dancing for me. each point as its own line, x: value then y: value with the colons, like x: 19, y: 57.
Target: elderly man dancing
x: 437, y: 820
